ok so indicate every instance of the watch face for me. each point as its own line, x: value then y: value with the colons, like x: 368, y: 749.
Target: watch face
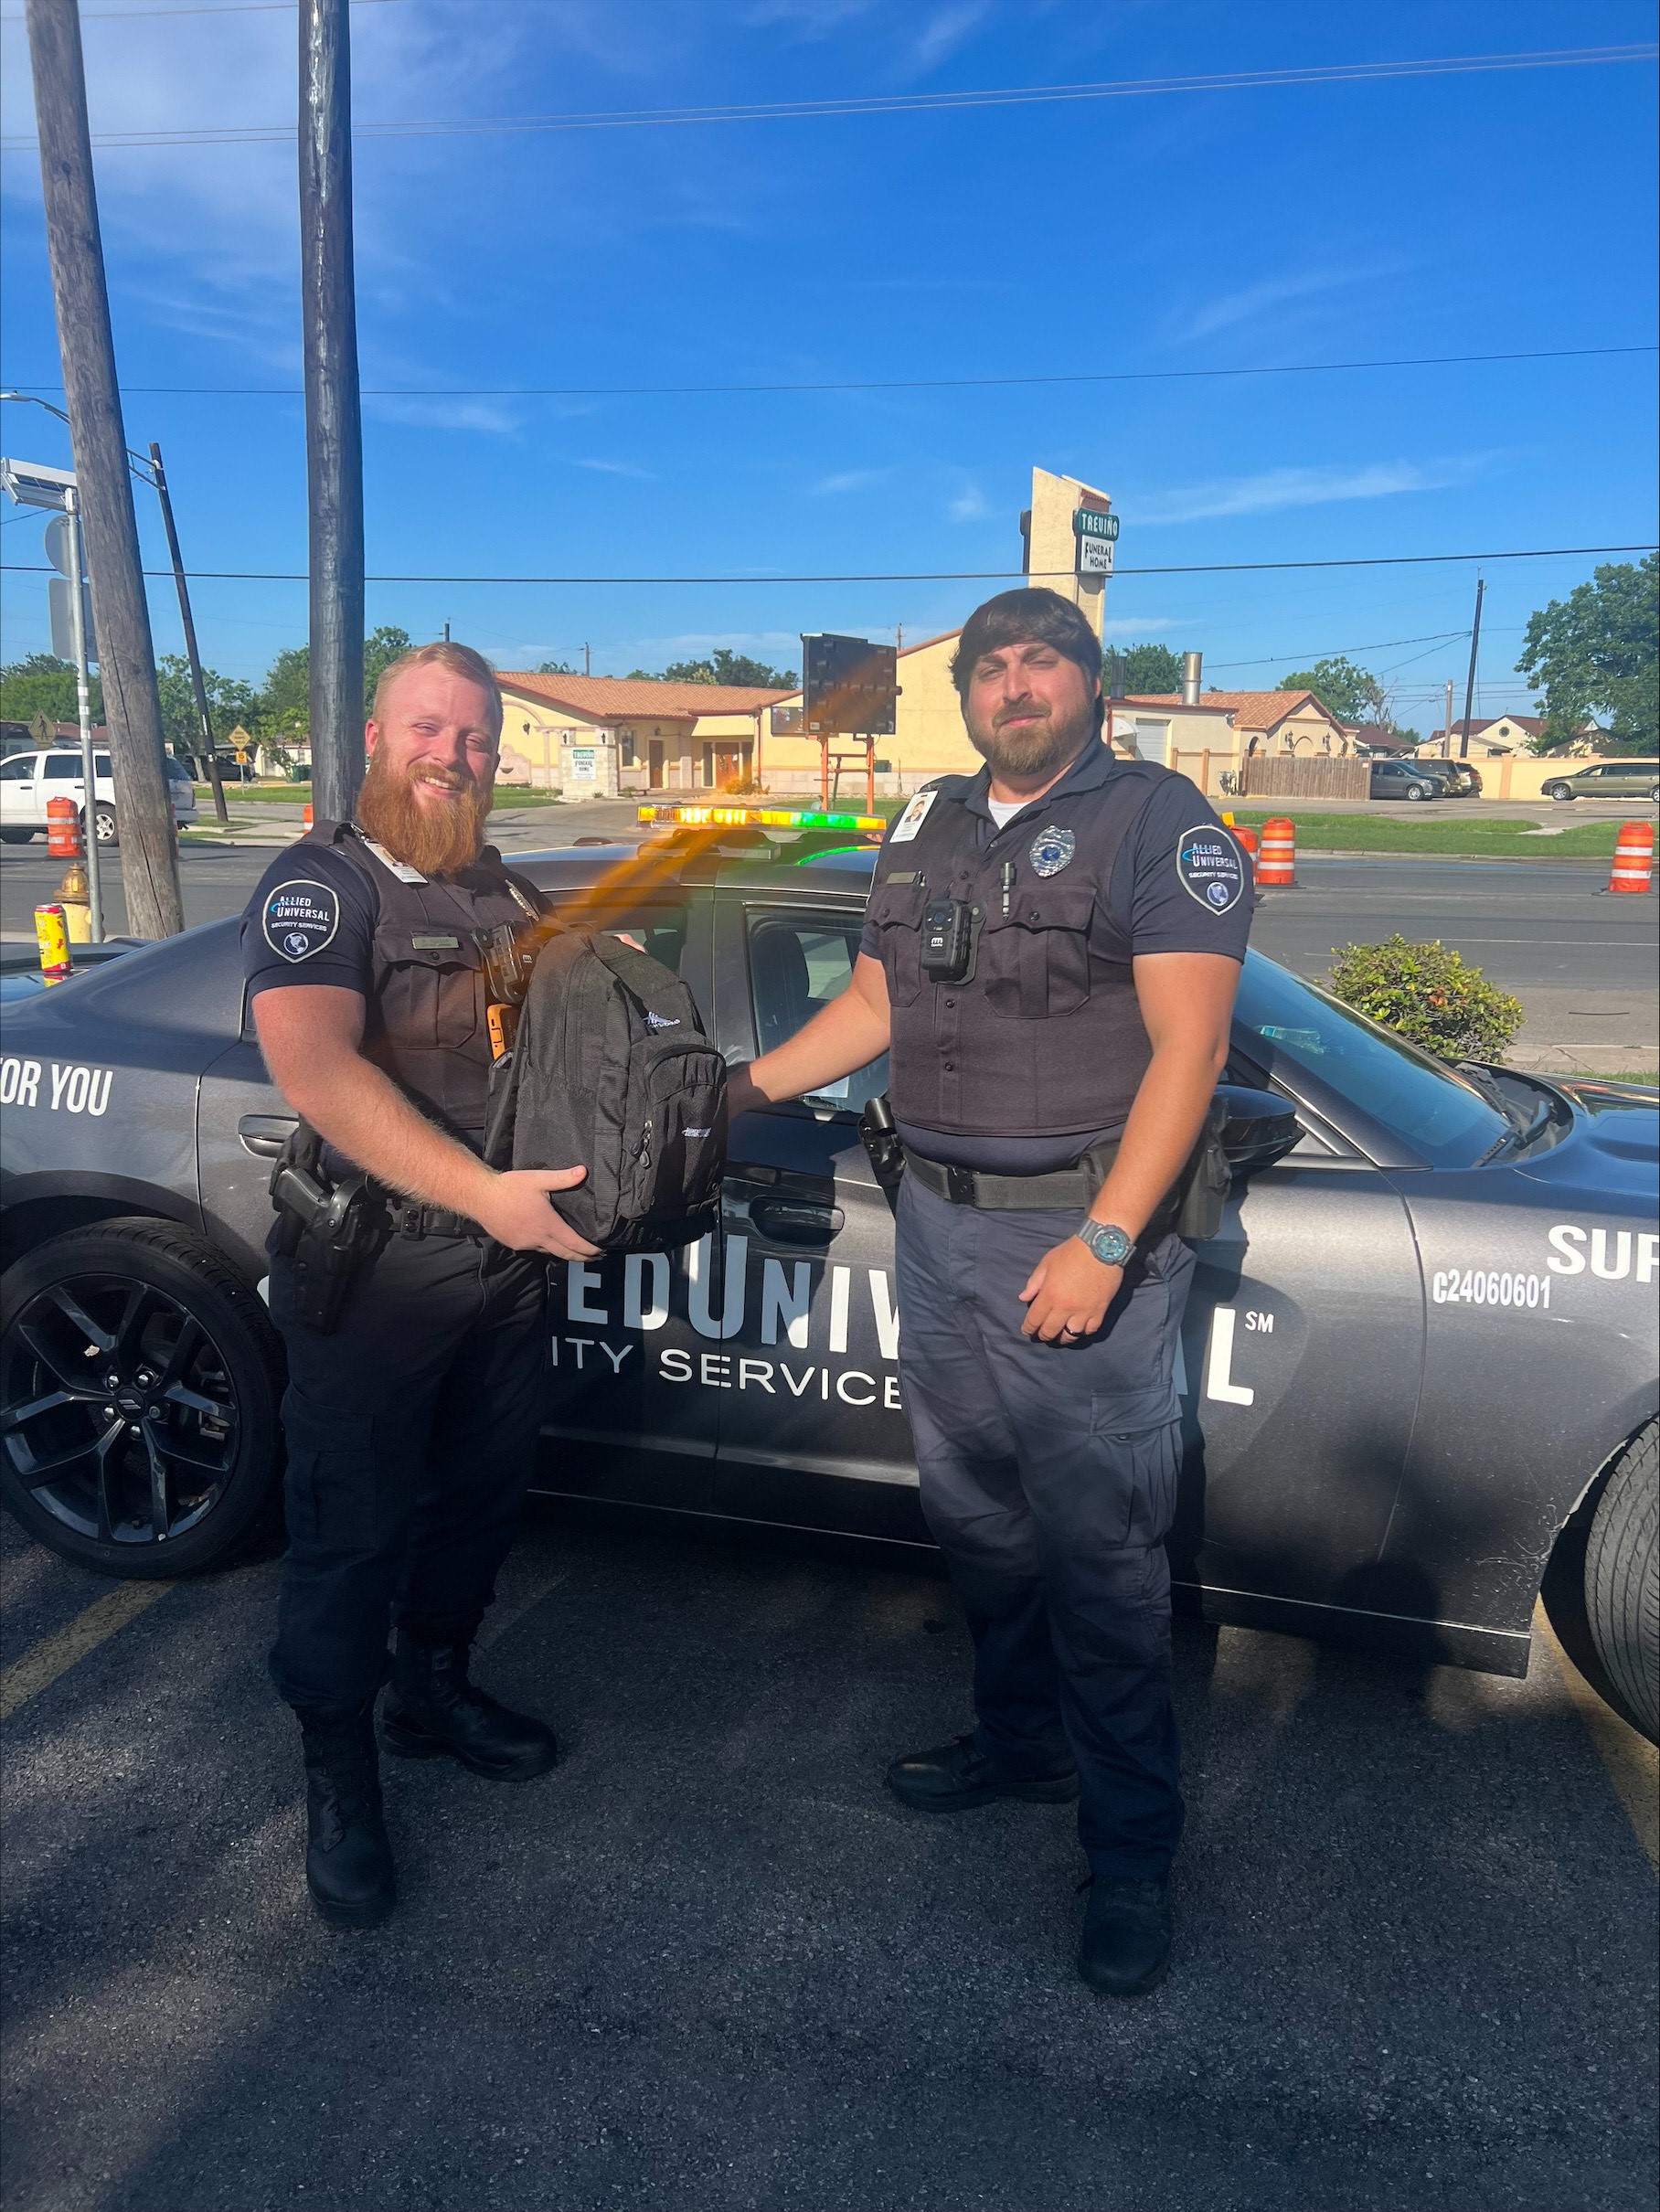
x: 1111, y: 1246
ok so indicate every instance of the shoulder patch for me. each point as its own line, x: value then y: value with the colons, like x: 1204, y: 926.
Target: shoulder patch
x: 1211, y: 868
x: 913, y: 819
x: 300, y: 918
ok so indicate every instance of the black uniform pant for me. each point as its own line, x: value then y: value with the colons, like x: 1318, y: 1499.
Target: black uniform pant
x: 411, y: 1434
x: 1048, y: 1478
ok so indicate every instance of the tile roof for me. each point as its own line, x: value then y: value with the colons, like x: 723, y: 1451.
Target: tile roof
x: 1531, y: 723
x: 604, y: 699
x: 1250, y: 709
x: 1207, y: 705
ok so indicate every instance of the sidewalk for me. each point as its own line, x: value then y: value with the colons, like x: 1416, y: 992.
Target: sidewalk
x: 1570, y: 1031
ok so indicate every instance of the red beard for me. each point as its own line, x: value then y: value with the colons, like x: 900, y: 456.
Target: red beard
x: 437, y: 839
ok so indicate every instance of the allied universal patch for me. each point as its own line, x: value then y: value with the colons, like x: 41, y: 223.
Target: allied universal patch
x: 1052, y: 850
x: 913, y: 819
x: 300, y: 919
x: 1208, y: 861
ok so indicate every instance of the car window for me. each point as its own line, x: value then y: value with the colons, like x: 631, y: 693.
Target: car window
x: 657, y: 926
x: 1441, y: 1116
x: 17, y: 771
x: 798, y: 963
x: 102, y: 766
x: 63, y: 766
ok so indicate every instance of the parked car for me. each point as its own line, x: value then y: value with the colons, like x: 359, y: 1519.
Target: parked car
x: 1610, y: 779
x: 1406, y: 780
x: 1417, y: 1361
x: 1458, y: 779
x: 27, y: 780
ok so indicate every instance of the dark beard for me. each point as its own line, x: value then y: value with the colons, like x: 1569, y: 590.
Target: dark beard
x: 1033, y: 756
x: 435, y: 840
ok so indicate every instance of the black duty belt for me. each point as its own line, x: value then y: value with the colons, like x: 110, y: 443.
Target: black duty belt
x: 1062, y: 1187
x: 411, y: 1219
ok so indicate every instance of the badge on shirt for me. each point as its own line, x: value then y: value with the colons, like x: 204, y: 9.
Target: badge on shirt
x: 1052, y: 850
x: 1208, y: 861
x: 300, y: 919
x: 913, y: 819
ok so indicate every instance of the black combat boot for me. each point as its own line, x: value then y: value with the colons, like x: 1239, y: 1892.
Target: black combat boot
x: 954, y: 1777
x: 432, y: 1711
x: 348, y: 1861
x: 1126, y: 1951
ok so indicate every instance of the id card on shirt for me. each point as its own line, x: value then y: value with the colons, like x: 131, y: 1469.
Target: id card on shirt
x: 913, y: 819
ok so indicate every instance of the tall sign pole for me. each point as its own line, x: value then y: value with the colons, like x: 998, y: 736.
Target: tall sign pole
x: 83, y: 711
x: 188, y: 623
x: 334, y: 427
x: 126, y: 658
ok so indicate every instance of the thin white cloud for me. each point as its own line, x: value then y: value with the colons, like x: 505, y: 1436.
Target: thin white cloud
x: 846, y: 480
x: 440, y: 414
x: 1253, y: 300
x: 1273, y: 489
x: 969, y: 506
x: 947, y: 29
x: 806, y: 18
x: 616, y: 468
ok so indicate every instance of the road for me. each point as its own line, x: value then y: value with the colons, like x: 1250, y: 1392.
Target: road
x: 1585, y: 965
x: 709, y: 1963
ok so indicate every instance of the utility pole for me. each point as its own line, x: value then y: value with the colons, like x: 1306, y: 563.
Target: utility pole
x: 1475, y: 639
x: 221, y: 812
x: 587, y: 662
x: 126, y: 658
x: 83, y: 715
x: 1446, y: 726
x: 334, y: 423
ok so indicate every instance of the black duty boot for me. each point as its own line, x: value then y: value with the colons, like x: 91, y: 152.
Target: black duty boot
x: 1126, y: 1951
x: 432, y: 1711
x: 954, y: 1777
x: 348, y: 1861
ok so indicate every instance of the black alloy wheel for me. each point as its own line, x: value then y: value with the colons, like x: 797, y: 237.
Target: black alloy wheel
x: 139, y: 1380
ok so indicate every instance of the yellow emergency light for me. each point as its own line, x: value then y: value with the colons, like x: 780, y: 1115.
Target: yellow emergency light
x: 758, y: 817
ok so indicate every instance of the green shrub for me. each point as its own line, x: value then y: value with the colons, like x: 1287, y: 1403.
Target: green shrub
x: 1429, y: 993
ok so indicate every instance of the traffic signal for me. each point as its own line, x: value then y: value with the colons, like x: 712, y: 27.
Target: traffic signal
x: 848, y: 687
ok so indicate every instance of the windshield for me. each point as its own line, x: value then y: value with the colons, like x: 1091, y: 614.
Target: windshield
x: 1440, y: 1115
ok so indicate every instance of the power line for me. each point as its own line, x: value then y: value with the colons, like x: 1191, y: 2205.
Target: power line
x: 914, y: 103
x: 236, y: 8
x: 1320, y: 653
x: 868, y: 384
x: 912, y: 576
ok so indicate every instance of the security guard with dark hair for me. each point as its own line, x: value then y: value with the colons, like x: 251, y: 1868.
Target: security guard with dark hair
x: 407, y: 1278
x: 1050, y: 956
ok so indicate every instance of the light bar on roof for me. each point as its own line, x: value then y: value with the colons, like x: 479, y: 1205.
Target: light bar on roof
x: 758, y: 817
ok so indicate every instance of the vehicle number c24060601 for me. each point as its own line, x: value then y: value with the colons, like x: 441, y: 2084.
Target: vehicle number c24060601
x: 1488, y: 1286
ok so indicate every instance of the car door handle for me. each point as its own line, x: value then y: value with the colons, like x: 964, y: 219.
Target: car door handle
x: 791, y: 1221
x: 266, y: 1135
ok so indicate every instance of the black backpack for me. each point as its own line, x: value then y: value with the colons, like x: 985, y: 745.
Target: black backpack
x: 610, y: 1071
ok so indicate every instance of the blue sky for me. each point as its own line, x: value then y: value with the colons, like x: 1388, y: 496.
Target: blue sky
x: 1195, y: 229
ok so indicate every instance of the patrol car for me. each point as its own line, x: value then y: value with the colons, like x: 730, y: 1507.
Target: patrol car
x: 1418, y: 1365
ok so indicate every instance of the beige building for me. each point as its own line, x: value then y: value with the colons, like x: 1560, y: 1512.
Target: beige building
x: 608, y: 736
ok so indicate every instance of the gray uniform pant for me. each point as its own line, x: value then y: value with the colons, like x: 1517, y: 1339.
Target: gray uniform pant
x: 1048, y: 1478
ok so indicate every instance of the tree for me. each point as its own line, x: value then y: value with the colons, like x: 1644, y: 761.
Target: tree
x: 43, y: 685
x: 229, y: 701
x: 1596, y: 651
x: 283, y: 706
x: 1353, y: 694
x: 555, y: 668
x: 724, y: 668
x: 1150, y: 671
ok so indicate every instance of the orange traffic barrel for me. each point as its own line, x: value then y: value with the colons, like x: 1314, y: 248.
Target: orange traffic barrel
x: 1633, y: 868
x: 1246, y: 839
x: 1277, y: 865
x: 63, y: 830
x: 307, y: 817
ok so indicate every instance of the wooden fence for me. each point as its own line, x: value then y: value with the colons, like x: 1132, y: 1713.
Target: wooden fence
x: 1324, y: 776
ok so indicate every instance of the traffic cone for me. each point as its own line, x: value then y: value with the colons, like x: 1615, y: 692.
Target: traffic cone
x: 65, y: 841
x: 306, y: 818
x: 1633, y: 868
x: 1277, y: 867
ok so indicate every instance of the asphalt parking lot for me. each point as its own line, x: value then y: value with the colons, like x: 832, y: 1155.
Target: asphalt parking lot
x: 709, y: 1963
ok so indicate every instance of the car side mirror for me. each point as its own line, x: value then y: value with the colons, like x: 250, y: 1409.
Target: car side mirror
x: 1261, y: 1128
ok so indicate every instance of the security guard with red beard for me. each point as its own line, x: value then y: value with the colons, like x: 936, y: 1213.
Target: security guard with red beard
x: 414, y: 1383
x: 1050, y: 956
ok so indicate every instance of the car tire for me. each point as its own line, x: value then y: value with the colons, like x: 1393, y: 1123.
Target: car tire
x: 104, y: 826
x: 1654, y: 796
x: 17, y: 836
x: 1417, y: 791
x: 197, y: 1365
x: 1560, y: 790
x: 1622, y: 1580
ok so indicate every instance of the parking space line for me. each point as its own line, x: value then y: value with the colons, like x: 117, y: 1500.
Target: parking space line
x: 42, y: 1663
x: 1633, y: 1762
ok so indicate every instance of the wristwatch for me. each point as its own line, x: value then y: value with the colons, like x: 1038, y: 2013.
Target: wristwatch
x: 1111, y: 1246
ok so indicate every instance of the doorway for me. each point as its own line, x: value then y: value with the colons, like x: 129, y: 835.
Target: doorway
x: 653, y: 754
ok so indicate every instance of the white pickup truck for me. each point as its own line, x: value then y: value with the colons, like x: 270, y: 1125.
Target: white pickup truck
x: 27, y: 780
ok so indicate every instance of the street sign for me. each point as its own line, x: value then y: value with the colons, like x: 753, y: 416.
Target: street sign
x: 1091, y: 522
x: 849, y: 686
x: 1095, y: 557
x: 32, y: 484
x: 58, y: 590
x: 58, y: 543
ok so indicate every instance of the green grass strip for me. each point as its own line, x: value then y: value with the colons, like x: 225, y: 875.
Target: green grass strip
x: 1469, y: 838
